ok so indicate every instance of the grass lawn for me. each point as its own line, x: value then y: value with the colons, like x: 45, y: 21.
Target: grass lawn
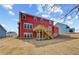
x: 66, y: 44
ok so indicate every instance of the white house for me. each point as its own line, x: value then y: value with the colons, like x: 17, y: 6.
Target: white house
x: 11, y: 34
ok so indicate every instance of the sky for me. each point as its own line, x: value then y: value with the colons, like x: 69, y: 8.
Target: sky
x: 9, y: 14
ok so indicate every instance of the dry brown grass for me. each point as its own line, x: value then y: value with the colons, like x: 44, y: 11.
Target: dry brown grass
x: 75, y: 35
x: 68, y: 47
x: 16, y: 46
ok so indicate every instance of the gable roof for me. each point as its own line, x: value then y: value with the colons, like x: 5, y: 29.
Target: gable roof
x: 35, y: 16
x: 61, y: 24
x: 11, y: 32
x: 2, y: 27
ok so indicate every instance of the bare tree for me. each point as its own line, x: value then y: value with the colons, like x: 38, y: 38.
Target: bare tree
x: 76, y: 8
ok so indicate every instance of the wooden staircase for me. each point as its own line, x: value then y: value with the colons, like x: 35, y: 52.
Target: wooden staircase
x: 49, y: 35
x: 48, y: 32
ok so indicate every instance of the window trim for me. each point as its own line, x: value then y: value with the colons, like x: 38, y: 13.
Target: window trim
x: 27, y: 24
x: 28, y: 35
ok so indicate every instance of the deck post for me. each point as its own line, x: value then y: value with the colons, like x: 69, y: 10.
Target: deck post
x: 39, y: 34
x: 42, y: 34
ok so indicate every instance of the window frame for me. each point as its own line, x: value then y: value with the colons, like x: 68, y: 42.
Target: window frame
x: 30, y: 26
x: 28, y: 35
x: 27, y: 26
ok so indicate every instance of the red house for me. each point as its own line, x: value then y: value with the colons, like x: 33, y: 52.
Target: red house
x: 30, y: 26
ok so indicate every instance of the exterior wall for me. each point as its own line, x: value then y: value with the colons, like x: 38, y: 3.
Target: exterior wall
x: 2, y: 32
x: 63, y: 28
x: 30, y: 19
x: 56, y: 30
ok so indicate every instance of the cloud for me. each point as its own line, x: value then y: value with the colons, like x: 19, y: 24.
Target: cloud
x: 23, y: 11
x: 58, y: 9
x: 54, y: 19
x: 45, y: 10
x: 70, y: 23
x: 57, y: 20
x: 72, y: 18
x: 76, y: 29
x: 11, y: 13
x: 48, y: 8
x: 39, y: 8
x: 45, y: 15
x: 55, y: 9
x: 69, y: 17
x: 7, y: 6
x: 76, y: 17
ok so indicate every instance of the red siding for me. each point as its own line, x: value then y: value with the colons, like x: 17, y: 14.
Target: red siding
x: 56, y: 30
x: 30, y: 19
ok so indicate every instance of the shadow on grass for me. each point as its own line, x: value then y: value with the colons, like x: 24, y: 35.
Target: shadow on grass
x: 41, y: 43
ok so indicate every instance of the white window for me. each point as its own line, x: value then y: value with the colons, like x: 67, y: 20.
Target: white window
x: 28, y: 35
x: 27, y: 26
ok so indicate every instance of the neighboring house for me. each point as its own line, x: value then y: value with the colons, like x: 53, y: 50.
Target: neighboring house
x: 72, y: 30
x: 63, y: 28
x: 30, y: 26
x: 11, y: 34
x: 2, y: 31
